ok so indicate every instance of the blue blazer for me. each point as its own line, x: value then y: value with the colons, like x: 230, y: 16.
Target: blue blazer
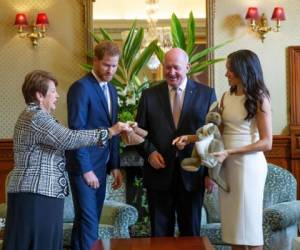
x: 155, y: 115
x: 87, y: 109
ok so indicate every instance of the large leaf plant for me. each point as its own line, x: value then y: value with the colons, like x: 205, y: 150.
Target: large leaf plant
x: 187, y: 42
x: 127, y: 79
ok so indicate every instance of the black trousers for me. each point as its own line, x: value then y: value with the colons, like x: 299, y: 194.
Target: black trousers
x: 33, y: 222
x: 165, y: 206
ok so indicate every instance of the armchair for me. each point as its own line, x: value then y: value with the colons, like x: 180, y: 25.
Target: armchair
x: 115, y: 219
x: 114, y: 223
x: 281, y: 213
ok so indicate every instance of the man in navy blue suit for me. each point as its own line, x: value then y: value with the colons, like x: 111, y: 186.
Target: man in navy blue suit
x: 175, y: 107
x: 93, y: 103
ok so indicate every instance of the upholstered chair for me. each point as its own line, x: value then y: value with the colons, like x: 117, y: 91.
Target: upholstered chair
x: 115, y: 219
x: 281, y: 213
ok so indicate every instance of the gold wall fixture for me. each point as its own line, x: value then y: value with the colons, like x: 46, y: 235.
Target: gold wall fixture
x: 38, y: 29
x: 260, y: 24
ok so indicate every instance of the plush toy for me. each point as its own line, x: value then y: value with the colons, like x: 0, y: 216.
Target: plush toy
x: 209, y: 141
x: 134, y: 137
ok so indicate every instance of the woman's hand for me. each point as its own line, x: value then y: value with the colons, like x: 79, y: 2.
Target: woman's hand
x: 209, y: 184
x: 118, y: 128
x: 221, y: 155
x: 181, y: 141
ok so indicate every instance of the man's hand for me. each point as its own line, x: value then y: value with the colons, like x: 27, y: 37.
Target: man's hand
x: 118, y: 178
x: 156, y: 160
x: 118, y: 128
x: 91, y: 179
x: 210, y: 185
x: 181, y: 141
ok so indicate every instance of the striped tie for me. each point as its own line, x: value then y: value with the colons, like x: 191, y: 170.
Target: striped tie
x: 176, y: 106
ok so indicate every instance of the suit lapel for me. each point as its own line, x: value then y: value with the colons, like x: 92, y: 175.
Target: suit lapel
x: 100, y: 93
x: 165, y: 104
x: 190, y: 92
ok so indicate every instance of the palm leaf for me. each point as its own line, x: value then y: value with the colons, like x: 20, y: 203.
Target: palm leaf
x: 196, y: 57
x: 143, y: 58
x: 159, y: 53
x: 96, y: 37
x: 90, y: 55
x: 197, y: 69
x: 177, y: 33
x: 115, y: 81
x: 191, y: 34
x: 120, y: 72
x: 143, y: 86
x: 135, y: 47
x: 129, y: 40
x: 105, y: 35
x: 86, y: 67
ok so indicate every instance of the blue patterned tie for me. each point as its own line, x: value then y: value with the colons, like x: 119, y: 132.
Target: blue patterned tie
x: 105, y: 92
x: 104, y: 89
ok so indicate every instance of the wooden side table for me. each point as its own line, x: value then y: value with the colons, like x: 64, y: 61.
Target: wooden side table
x: 165, y: 243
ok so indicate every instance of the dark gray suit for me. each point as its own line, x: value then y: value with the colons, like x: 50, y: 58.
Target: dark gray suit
x: 172, y: 189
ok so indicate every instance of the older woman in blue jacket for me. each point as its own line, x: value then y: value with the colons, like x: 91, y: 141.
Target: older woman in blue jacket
x: 37, y: 184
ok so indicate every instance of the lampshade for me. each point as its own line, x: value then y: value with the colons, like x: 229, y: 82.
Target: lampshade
x: 252, y: 13
x: 42, y: 19
x: 21, y: 19
x: 278, y: 14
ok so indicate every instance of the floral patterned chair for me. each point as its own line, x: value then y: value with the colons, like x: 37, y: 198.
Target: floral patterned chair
x: 115, y: 219
x: 280, y: 217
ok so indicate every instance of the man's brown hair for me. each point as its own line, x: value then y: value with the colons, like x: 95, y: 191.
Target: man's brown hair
x: 36, y: 81
x: 106, y: 47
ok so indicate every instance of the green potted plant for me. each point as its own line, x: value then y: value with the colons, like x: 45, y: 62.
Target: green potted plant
x: 187, y: 42
x: 126, y: 80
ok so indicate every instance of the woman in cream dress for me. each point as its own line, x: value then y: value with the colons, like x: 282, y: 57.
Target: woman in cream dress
x: 247, y: 132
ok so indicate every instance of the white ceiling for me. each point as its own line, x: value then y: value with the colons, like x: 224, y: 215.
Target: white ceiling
x: 136, y: 9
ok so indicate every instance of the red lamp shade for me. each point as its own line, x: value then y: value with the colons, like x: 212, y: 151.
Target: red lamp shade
x: 278, y: 14
x: 42, y: 19
x: 21, y: 19
x: 252, y: 13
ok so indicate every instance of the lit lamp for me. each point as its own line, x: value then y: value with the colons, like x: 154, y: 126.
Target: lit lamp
x: 262, y: 28
x: 21, y: 21
x: 38, y: 28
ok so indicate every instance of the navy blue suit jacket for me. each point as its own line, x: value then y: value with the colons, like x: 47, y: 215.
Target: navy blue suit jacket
x: 155, y: 115
x: 87, y: 109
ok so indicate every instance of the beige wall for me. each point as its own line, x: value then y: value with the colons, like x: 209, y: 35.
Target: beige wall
x: 64, y: 49
x: 60, y: 52
x: 136, y: 9
x: 230, y: 23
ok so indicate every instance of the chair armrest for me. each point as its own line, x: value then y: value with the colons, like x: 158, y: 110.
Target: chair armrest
x: 119, y: 215
x: 3, y: 210
x: 282, y: 215
x: 2, y: 215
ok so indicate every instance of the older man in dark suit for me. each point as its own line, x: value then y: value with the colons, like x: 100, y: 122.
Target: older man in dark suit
x: 175, y: 107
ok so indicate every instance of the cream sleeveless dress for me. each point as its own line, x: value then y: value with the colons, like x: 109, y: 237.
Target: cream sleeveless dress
x: 242, y: 207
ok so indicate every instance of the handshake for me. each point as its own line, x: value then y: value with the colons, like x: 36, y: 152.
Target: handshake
x: 130, y: 133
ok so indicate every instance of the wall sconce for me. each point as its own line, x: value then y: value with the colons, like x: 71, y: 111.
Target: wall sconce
x: 262, y: 28
x: 38, y: 28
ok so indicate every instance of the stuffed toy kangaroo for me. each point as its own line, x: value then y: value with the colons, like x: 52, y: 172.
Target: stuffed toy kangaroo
x: 209, y: 141
x: 134, y: 137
